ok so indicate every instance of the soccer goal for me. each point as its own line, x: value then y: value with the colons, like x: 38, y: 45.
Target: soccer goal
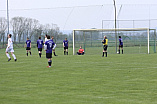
x: 135, y: 40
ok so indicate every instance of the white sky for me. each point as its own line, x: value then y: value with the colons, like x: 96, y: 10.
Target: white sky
x: 79, y: 17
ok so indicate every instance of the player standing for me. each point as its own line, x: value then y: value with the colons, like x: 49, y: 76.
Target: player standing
x: 28, y: 48
x: 54, y: 49
x: 49, y: 45
x: 105, y: 45
x: 10, y: 48
x: 120, y: 44
x: 40, y: 46
x: 65, y: 45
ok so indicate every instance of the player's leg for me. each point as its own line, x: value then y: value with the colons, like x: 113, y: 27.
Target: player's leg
x: 54, y: 52
x: 67, y: 51
x: 13, y: 56
x: 49, y: 56
x: 49, y: 62
x: 103, y: 51
x: 119, y: 49
x: 27, y: 51
x: 40, y: 52
x: 64, y: 50
x: 30, y: 51
x: 7, y: 54
x: 122, y: 49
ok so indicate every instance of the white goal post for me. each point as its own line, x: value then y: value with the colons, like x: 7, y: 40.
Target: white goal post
x: 116, y: 30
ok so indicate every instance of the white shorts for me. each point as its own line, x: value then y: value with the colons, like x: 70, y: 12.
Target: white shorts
x: 9, y: 49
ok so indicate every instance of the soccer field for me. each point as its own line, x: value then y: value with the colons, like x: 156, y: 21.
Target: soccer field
x: 88, y: 79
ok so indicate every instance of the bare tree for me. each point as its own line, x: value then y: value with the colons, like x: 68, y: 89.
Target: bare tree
x: 3, y: 27
x: 17, y: 27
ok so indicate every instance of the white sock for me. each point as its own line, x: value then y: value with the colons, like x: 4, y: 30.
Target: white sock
x: 14, y: 56
x: 7, y: 55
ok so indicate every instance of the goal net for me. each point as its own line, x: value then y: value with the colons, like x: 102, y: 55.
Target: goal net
x: 135, y: 40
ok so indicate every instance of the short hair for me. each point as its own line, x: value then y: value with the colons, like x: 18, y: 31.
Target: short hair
x: 119, y: 36
x: 39, y: 37
x: 10, y: 35
x: 105, y: 37
x: 65, y: 38
x: 27, y: 38
x: 48, y: 37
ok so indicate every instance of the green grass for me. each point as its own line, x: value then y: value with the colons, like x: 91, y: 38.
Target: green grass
x: 88, y: 79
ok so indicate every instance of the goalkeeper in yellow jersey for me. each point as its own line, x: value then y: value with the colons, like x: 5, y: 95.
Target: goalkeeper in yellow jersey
x: 105, y: 45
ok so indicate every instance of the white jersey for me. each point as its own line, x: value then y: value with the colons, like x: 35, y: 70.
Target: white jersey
x: 46, y: 39
x: 10, y: 43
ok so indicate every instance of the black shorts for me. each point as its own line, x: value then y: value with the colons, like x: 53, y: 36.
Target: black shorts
x: 28, y: 48
x: 48, y: 55
x: 65, y: 47
x: 105, y: 47
x: 39, y: 49
x: 120, y: 46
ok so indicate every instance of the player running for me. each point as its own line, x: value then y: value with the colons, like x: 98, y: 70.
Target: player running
x: 40, y: 46
x: 10, y: 48
x: 65, y: 45
x: 49, y: 45
x: 120, y: 44
x: 105, y: 45
x: 28, y: 48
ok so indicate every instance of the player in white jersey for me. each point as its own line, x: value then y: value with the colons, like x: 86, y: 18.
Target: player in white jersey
x: 10, y: 48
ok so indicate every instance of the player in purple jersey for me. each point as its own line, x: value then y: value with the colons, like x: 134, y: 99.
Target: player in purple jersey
x: 53, y: 49
x: 120, y: 44
x: 49, y: 46
x: 28, y: 44
x: 65, y: 45
x: 40, y: 46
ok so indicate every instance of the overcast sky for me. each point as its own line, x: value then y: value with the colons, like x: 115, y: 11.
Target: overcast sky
x: 82, y: 13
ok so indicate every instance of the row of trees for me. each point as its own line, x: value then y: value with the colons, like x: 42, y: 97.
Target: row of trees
x: 22, y: 27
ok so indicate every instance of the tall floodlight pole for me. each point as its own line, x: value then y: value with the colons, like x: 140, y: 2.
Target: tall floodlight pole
x: 8, y: 17
x: 115, y: 20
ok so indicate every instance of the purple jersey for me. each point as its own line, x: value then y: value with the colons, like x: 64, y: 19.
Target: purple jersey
x: 40, y: 43
x: 49, y: 45
x: 65, y: 43
x: 28, y: 42
x: 120, y: 41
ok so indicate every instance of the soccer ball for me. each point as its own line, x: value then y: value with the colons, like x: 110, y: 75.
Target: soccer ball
x: 117, y: 52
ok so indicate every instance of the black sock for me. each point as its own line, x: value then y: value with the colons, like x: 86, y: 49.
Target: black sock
x: 27, y: 53
x: 30, y: 53
x: 40, y: 54
x: 122, y: 51
x: 103, y: 54
x: 49, y: 62
x: 106, y: 54
x: 67, y: 53
x: 64, y: 52
x: 54, y: 53
x: 119, y: 51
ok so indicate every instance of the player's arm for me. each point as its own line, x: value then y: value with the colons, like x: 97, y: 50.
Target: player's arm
x: 104, y: 41
x: 37, y: 44
x: 25, y: 45
x: 30, y: 44
x: 63, y: 44
x: 54, y: 46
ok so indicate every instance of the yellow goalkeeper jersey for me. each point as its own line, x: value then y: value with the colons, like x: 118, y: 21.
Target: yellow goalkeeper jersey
x: 106, y: 43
